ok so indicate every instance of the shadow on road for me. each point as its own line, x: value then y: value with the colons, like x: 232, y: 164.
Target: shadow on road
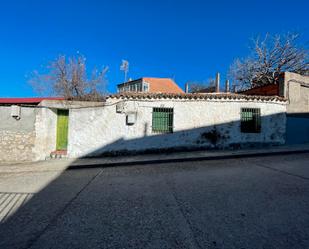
x: 159, y: 206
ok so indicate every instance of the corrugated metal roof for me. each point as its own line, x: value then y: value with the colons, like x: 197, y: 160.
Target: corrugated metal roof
x: 27, y: 100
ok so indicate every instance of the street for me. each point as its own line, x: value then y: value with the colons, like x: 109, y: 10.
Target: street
x: 260, y: 202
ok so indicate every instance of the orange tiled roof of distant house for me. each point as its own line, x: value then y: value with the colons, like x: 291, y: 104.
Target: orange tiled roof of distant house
x: 157, y: 85
x: 162, y: 85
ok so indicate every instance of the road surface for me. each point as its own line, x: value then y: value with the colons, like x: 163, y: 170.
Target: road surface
x: 234, y: 203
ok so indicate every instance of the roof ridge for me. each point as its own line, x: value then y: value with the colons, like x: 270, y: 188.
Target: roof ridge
x: 159, y: 78
x: 195, y: 96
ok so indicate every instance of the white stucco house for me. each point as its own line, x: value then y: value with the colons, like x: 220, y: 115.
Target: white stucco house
x: 154, y: 122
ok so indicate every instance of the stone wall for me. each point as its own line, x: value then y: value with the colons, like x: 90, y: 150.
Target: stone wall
x: 16, y: 146
x: 17, y: 136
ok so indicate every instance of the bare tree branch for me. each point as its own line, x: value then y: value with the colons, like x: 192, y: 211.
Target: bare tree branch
x: 270, y: 57
x: 204, y: 86
x: 68, y: 78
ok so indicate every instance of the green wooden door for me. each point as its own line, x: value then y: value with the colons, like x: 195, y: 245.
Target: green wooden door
x: 62, y: 129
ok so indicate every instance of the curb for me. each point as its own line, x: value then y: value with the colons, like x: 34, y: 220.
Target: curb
x: 187, y: 159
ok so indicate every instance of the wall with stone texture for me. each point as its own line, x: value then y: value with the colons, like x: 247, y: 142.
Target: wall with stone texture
x: 33, y: 136
x: 95, y: 131
x: 17, y: 137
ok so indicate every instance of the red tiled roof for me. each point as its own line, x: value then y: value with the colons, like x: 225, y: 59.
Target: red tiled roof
x: 158, y: 85
x: 162, y: 85
x: 27, y: 100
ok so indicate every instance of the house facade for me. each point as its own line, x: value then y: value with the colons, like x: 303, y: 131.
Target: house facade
x: 136, y: 122
x: 31, y: 129
x: 150, y: 122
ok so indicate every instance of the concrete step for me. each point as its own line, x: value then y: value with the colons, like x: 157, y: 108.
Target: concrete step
x: 58, y: 154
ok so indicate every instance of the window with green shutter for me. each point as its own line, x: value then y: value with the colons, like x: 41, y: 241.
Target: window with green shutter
x: 250, y: 120
x: 162, y: 120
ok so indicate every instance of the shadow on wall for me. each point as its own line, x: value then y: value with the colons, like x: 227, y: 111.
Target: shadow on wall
x: 220, y: 136
x: 44, y: 210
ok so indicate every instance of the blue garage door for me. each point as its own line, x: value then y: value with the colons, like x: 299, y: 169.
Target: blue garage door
x: 297, y: 129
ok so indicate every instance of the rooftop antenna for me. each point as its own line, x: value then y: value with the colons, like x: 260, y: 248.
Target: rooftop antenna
x: 125, y: 68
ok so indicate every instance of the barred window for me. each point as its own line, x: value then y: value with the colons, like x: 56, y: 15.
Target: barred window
x: 162, y: 120
x: 250, y: 120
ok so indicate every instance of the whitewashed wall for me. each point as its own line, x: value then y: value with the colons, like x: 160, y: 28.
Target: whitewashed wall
x: 93, y: 131
x: 46, y: 124
x: 46, y: 130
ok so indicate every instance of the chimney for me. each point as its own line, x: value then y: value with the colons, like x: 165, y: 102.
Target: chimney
x: 217, y: 82
x: 186, y: 87
x: 227, y: 86
x: 234, y: 88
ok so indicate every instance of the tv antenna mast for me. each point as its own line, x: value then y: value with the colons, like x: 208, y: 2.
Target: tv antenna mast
x: 125, y: 68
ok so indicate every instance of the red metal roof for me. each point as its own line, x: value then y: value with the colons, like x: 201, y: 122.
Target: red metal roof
x: 266, y: 90
x: 27, y: 100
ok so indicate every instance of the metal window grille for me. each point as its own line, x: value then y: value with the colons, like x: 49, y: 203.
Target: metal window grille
x: 162, y: 120
x: 250, y: 120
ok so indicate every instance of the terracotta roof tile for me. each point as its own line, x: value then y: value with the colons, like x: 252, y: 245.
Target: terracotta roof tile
x: 162, y: 85
x: 197, y: 96
x: 158, y: 85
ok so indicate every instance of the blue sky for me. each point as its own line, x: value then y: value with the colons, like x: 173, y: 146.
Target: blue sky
x: 186, y: 40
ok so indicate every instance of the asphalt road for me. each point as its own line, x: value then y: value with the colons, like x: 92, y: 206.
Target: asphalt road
x: 236, y: 203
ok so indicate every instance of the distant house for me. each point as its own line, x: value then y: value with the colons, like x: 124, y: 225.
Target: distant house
x: 294, y: 88
x: 150, y: 85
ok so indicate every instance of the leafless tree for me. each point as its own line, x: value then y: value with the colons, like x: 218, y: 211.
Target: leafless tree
x: 269, y: 57
x: 68, y: 78
x: 202, y: 86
